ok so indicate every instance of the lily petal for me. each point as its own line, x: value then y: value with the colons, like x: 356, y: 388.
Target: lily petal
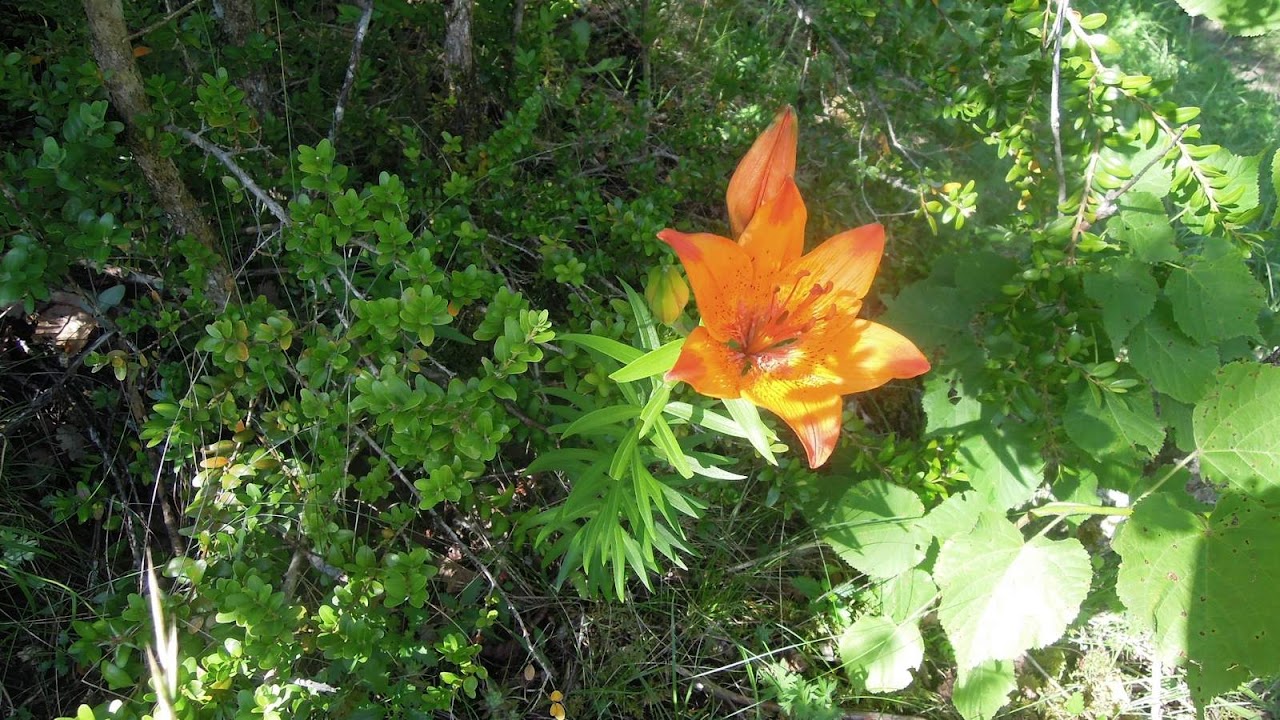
x: 710, y: 366
x: 771, y: 159
x: 812, y: 412
x: 847, y: 261
x: 775, y: 235
x: 864, y: 355
x: 722, y: 275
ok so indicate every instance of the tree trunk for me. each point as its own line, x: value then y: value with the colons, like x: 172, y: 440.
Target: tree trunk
x: 239, y: 21
x: 114, y: 54
x: 459, y: 65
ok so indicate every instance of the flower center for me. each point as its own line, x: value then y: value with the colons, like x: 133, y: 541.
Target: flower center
x: 768, y: 332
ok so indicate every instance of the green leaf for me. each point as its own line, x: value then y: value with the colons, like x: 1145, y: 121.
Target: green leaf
x: 946, y: 404
x: 600, y: 420
x: 111, y: 297
x: 956, y: 515
x: 981, y: 691
x: 907, y: 596
x: 1275, y: 186
x: 666, y: 442
x: 612, y: 348
x: 928, y: 313
x: 871, y: 525
x: 1101, y: 422
x: 644, y: 320
x: 880, y: 654
x: 1003, y: 464
x: 1205, y: 587
x: 1215, y: 299
x: 1002, y: 596
x: 1126, y: 292
x: 748, y: 418
x: 1143, y: 225
x: 1175, y: 365
x: 653, y: 407
x: 709, y: 419
x: 654, y: 362
x: 1236, y: 427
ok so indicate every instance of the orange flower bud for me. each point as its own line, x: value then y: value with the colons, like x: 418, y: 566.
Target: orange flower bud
x: 667, y: 294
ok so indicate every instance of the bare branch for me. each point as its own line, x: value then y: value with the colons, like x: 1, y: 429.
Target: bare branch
x: 229, y: 163
x: 362, y: 29
x: 164, y: 20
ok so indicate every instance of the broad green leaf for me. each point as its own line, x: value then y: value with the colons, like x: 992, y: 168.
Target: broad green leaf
x: 599, y: 420
x: 1275, y: 186
x: 1126, y: 292
x: 1205, y: 587
x: 654, y: 362
x: 906, y: 597
x: 110, y: 297
x: 748, y: 418
x: 1002, y: 596
x: 980, y: 692
x: 928, y: 313
x: 1144, y: 227
x: 946, y: 404
x: 1003, y: 464
x: 1101, y: 422
x: 612, y: 348
x: 978, y: 277
x: 956, y: 515
x: 880, y: 654
x: 1175, y: 365
x: 872, y: 525
x: 1236, y: 427
x: 1215, y: 299
x: 1157, y: 181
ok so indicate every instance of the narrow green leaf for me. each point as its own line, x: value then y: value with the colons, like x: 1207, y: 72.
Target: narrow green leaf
x: 612, y: 348
x: 748, y: 418
x: 666, y: 442
x: 644, y: 319
x: 653, y: 408
x: 599, y: 420
x: 654, y: 362
x: 621, y: 464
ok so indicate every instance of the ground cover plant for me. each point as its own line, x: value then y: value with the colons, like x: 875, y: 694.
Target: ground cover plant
x: 405, y: 359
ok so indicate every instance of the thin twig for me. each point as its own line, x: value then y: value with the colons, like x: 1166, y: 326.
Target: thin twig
x: 164, y: 20
x: 340, y: 109
x: 1055, y: 118
x: 526, y: 638
x: 1108, y: 206
x: 229, y: 163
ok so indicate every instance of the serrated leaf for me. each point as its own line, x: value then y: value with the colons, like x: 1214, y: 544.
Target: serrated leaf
x: 1275, y: 186
x: 1103, y: 422
x: 880, y: 654
x: 1205, y: 587
x: 1215, y: 299
x: 946, y: 404
x: 928, y: 313
x: 1004, y: 464
x: 907, y: 596
x: 1144, y: 227
x: 1236, y: 430
x: 1002, y: 596
x: 872, y: 525
x: 956, y: 515
x: 1175, y: 365
x: 1126, y: 293
x: 981, y: 691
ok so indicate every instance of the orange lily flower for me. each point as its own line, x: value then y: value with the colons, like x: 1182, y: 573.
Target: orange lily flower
x: 781, y: 328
